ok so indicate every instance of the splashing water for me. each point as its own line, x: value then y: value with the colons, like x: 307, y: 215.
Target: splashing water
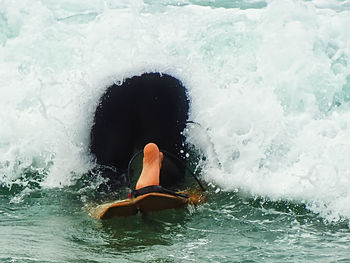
x: 269, y: 83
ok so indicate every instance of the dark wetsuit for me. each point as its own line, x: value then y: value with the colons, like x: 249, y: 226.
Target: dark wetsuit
x: 152, y: 107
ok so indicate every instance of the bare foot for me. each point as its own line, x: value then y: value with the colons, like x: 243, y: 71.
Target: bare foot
x: 152, y: 162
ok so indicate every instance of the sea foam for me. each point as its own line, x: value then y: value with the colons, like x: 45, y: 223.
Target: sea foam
x: 269, y: 87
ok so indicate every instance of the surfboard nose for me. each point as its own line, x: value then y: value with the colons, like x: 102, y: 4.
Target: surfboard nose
x: 152, y: 162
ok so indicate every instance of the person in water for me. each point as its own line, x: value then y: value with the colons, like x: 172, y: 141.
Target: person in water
x: 148, y: 181
x: 152, y: 107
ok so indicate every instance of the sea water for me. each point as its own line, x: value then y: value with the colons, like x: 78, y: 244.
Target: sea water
x: 269, y: 84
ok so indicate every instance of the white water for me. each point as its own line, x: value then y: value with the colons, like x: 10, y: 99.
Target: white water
x: 269, y: 86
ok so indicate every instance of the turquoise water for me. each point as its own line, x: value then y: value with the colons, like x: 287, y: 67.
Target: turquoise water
x: 269, y: 83
x: 50, y: 226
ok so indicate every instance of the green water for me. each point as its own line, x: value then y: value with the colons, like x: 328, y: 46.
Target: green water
x: 54, y: 226
x: 269, y: 84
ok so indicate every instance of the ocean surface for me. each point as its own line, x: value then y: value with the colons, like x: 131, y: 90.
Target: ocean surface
x: 269, y: 84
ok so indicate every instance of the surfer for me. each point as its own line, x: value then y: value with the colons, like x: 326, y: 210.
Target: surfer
x: 149, y: 195
x: 152, y: 107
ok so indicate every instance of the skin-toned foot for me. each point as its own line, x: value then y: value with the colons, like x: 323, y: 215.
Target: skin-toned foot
x: 152, y: 162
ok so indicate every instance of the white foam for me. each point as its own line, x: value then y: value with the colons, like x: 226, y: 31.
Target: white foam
x: 262, y: 84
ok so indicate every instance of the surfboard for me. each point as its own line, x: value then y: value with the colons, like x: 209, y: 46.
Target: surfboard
x: 149, y: 202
